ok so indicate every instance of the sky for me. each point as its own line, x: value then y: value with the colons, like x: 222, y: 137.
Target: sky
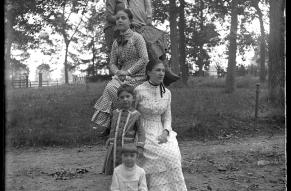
x: 218, y: 55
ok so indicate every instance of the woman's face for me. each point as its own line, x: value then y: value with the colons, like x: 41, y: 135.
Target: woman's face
x: 122, y: 21
x: 157, y: 74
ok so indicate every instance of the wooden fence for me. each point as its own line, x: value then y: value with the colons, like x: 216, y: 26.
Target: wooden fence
x: 33, y: 84
x: 79, y: 79
x: 26, y: 83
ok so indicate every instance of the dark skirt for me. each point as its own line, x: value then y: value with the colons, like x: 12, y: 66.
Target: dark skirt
x: 157, y: 40
x: 108, y: 165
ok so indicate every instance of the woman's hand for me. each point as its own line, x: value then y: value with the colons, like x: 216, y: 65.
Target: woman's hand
x: 163, y: 137
x: 121, y: 75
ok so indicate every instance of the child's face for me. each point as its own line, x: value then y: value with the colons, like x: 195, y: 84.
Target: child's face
x: 128, y: 159
x: 125, y: 100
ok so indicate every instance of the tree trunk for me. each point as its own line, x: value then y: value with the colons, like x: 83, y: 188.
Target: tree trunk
x: 200, y: 67
x: 276, y: 80
x: 8, y: 68
x: 262, y: 44
x: 66, y: 64
x: 230, y: 77
x: 8, y: 44
x: 93, y: 58
x: 200, y: 58
x: 183, y: 65
x: 173, y: 37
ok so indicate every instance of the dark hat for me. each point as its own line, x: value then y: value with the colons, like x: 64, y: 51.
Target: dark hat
x: 129, y: 148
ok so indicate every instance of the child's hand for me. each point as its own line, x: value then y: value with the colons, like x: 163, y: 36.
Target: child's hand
x: 140, y: 151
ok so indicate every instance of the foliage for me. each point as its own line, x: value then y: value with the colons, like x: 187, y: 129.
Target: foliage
x: 241, y: 70
x: 220, y: 71
x: 26, y: 23
x: 43, y: 67
x: 17, y: 65
x: 95, y: 36
x: 160, y: 10
x: 19, y: 28
x: 59, y: 18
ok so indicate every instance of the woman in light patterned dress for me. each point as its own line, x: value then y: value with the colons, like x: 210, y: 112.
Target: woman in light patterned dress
x: 127, y: 63
x: 162, y: 157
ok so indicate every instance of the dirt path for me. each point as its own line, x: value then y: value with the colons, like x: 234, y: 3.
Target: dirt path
x: 231, y: 165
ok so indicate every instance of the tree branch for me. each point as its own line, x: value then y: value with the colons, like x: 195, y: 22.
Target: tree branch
x: 79, y: 22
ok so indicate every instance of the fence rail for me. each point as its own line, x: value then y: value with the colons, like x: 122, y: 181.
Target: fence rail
x: 33, y: 84
x: 24, y: 82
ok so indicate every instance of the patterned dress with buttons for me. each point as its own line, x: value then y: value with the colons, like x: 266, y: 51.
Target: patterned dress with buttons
x: 125, y: 128
x: 161, y: 162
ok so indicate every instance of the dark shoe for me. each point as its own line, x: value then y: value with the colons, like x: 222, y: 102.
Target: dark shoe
x: 105, y: 133
x: 170, y: 77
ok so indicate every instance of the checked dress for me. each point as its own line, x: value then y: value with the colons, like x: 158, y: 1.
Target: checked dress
x: 132, y: 57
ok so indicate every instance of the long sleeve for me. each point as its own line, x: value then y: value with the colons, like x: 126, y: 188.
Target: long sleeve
x: 140, y: 134
x: 167, y: 116
x: 113, y: 58
x: 142, y: 54
x: 115, y: 183
x: 148, y: 8
x: 142, y: 186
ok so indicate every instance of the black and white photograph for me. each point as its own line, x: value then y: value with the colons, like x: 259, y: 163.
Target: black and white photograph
x: 145, y: 95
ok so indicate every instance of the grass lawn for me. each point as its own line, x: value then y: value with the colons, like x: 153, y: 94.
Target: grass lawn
x: 52, y: 116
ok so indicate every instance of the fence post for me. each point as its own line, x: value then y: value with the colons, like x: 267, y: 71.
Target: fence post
x: 257, y: 104
x: 47, y: 83
x: 40, y: 80
x: 26, y: 81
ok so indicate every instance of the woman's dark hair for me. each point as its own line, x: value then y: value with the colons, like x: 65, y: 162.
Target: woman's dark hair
x: 127, y: 11
x: 151, y: 64
x: 125, y: 88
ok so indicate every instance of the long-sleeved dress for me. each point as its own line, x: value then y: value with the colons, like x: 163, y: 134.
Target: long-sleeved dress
x: 131, y: 57
x: 125, y: 128
x: 128, y: 179
x: 161, y: 162
x: 141, y: 10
